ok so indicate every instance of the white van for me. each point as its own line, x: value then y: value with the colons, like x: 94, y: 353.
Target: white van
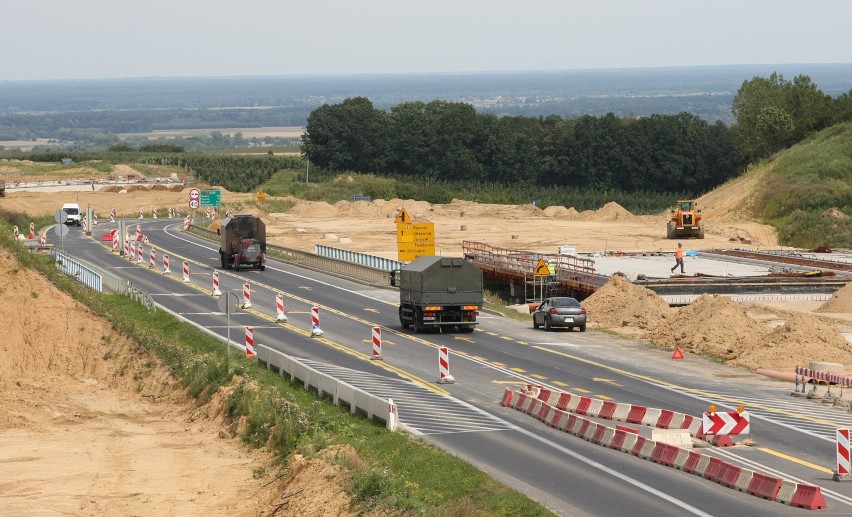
x: 72, y: 213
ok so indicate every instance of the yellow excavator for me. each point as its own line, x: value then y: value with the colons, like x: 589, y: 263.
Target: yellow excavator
x: 685, y: 221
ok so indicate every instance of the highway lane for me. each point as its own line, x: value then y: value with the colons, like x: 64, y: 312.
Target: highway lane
x: 501, y: 352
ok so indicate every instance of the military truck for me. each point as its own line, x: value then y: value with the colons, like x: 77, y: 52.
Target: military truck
x: 439, y: 292
x: 242, y: 242
x: 2, y: 188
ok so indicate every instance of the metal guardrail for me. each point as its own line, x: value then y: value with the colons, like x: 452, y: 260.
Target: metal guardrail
x: 100, y: 280
x: 359, y: 258
x: 370, y: 275
x: 357, y: 399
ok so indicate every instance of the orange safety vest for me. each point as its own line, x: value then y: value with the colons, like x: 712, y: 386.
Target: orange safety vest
x: 679, y: 252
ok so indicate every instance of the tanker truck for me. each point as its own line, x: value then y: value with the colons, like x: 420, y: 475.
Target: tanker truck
x: 243, y: 242
x: 438, y: 292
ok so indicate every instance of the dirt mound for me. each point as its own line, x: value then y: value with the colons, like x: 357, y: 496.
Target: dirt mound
x: 802, y: 339
x: 833, y: 213
x: 620, y: 303
x: 840, y: 301
x: 318, y: 209
x: 711, y: 325
x: 160, y: 187
x: 560, y: 212
x: 112, y: 189
x: 611, y: 211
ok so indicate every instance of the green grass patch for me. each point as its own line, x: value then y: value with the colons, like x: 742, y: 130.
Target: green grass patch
x: 393, y: 473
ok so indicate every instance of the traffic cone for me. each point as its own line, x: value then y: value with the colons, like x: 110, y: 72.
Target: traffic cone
x: 677, y: 353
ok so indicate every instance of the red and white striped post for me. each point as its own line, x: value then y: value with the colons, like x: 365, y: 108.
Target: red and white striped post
x: 377, y: 344
x: 154, y: 212
x: 315, y: 322
x: 112, y: 215
x: 186, y: 271
x: 392, y: 420
x: 132, y: 251
x: 138, y: 231
x: 216, y: 291
x: 249, y: 341
x: 187, y: 222
x: 228, y: 212
x: 140, y: 257
x: 279, y: 308
x: 141, y: 213
x: 94, y: 218
x: 843, y: 471
x: 171, y: 213
x: 115, y: 241
x: 166, y: 269
x: 444, y: 376
x: 126, y: 249
x: 246, y: 296
x: 43, y: 240
x: 85, y: 226
x: 32, y: 231
x: 153, y: 258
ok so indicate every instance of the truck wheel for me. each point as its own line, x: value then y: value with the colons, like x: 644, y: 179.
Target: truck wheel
x: 261, y: 267
x: 404, y: 322
x: 224, y: 262
x: 467, y: 329
x: 418, y: 322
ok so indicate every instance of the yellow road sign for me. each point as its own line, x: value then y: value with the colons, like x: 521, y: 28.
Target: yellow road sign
x: 541, y: 268
x: 402, y: 217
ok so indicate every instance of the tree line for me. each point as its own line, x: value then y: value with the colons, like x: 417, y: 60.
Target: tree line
x: 451, y: 141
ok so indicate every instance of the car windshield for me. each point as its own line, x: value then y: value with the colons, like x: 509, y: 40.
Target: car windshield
x: 71, y: 211
x: 565, y: 302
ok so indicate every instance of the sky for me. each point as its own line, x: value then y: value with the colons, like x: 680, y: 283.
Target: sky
x: 94, y: 39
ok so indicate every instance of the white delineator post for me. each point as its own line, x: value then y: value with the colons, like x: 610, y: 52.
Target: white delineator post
x: 138, y: 231
x: 216, y: 291
x: 392, y: 419
x: 377, y: 344
x: 85, y: 227
x: 141, y: 213
x: 186, y: 271
x: 249, y: 341
x: 315, y: 322
x: 166, y: 270
x: 246, y: 296
x: 187, y: 222
x: 444, y: 376
x: 171, y: 213
x: 43, y: 240
x: 279, y: 308
x: 154, y: 212
x: 17, y: 232
x: 94, y: 218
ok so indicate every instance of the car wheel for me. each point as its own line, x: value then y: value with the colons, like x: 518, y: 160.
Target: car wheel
x: 546, y: 324
x: 535, y: 323
x: 583, y: 327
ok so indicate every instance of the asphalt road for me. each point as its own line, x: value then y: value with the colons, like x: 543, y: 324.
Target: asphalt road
x: 794, y: 437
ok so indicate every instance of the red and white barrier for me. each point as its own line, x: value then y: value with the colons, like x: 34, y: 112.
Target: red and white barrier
x: 132, y: 251
x: 85, y: 226
x: 126, y: 248
x: 32, y: 231
x: 141, y: 213
x: 216, y: 291
x: 844, y: 469
x: 228, y: 212
x: 444, y: 376
x: 94, y: 218
x: 840, y: 379
x: 187, y: 222
x: 315, y: 322
x: 279, y: 308
x: 171, y: 213
x: 141, y: 254
x: 186, y: 271
x: 138, y: 232
x: 246, y: 296
x: 154, y: 212
x: 718, y: 426
x: 153, y: 259
x: 112, y: 215
x: 249, y: 341
x: 115, y: 241
x: 166, y: 269
x: 43, y: 240
x: 377, y: 344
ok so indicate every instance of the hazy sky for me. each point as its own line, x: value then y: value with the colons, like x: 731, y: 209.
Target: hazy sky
x: 81, y: 39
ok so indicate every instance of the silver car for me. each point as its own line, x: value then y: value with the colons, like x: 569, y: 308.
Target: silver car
x: 560, y: 311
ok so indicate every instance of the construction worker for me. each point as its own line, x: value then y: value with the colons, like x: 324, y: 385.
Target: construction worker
x: 678, y: 257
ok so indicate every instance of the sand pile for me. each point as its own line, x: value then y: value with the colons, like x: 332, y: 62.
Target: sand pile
x: 711, y: 325
x: 620, y: 303
x: 560, y: 212
x: 802, y: 339
x: 840, y: 301
x: 314, y: 209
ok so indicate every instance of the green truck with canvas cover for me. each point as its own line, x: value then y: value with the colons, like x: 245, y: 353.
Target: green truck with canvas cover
x: 439, y: 292
x: 243, y: 242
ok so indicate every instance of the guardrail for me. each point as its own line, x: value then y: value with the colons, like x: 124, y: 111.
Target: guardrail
x: 370, y: 275
x: 358, y: 400
x: 100, y: 280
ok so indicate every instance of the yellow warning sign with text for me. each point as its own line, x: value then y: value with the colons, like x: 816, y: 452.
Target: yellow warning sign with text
x: 415, y: 240
x: 541, y: 268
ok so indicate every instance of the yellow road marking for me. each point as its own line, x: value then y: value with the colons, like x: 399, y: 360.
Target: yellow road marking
x: 507, y: 338
x: 795, y: 460
x: 520, y: 383
x: 603, y: 397
x: 477, y: 358
x: 560, y: 383
x: 581, y: 390
x: 459, y: 352
x: 463, y: 339
x: 608, y: 381
x: 537, y: 376
x: 522, y: 342
x: 497, y: 363
x: 518, y: 370
x: 372, y: 310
